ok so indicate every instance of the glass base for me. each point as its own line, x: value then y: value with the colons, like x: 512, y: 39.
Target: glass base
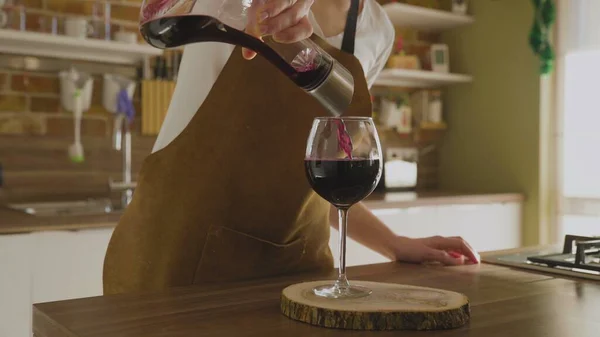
x: 335, y: 291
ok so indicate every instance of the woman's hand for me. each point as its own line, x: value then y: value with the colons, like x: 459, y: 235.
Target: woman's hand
x: 445, y: 250
x: 368, y: 230
x: 285, y: 20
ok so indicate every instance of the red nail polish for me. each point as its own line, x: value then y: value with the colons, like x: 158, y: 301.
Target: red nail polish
x: 455, y: 255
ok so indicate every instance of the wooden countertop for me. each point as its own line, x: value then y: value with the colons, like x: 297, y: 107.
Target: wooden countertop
x: 504, y: 302
x: 13, y: 222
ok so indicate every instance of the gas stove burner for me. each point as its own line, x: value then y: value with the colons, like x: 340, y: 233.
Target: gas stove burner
x: 579, y: 253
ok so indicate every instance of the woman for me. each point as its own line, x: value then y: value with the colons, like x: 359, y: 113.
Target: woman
x: 223, y: 195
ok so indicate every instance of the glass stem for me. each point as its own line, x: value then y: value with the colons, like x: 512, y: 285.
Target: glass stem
x: 342, y: 281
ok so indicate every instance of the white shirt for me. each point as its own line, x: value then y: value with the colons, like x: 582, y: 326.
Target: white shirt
x: 202, y: 63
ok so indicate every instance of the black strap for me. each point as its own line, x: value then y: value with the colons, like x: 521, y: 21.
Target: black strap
x: 350, y: 30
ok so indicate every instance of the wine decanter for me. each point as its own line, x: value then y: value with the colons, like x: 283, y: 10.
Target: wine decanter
x: 173, y: 23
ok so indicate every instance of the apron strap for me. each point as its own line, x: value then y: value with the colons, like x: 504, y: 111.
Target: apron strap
x: 350, y: 30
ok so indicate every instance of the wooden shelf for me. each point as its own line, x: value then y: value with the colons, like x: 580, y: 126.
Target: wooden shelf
x: 419, y: 78
x: 433, y: 126
x: 60, y: 46
x: 403, y: 15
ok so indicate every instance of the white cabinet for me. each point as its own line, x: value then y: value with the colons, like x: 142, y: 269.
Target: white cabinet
x: 44, y: 267
x: 486, y: 227
x: 15, y: 285
x: 53, y: 266
x: 68, y: 264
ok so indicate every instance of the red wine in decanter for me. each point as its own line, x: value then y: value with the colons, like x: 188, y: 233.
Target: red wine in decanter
x: 174, y: 31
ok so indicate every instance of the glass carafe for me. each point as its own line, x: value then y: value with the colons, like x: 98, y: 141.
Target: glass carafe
x: 173, y: 23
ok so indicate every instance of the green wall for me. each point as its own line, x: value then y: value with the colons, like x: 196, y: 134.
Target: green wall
x: 493, y: 140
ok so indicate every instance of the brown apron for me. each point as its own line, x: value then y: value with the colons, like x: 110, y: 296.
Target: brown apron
x: 228, y: 198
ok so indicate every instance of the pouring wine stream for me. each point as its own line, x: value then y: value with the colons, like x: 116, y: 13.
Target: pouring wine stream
x: 344, y: 140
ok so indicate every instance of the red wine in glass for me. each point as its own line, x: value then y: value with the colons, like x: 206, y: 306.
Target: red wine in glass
x: 343, y: 173
x: 343, y: 182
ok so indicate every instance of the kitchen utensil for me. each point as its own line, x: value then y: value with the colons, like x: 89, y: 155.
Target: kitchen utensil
x: 168, y: 64
x: 158, y: 106
x: 388, y: 115
x: 460, y: 6
x: 176, y: 61
x: 127, y: 37
x: 435, y: 107
x: 157, y: 70
x: 173, y: 23
x: 439, y: 58
x: 75, y: 85
x: 401, y: 167
x: 16, y: 17
x: 76, y: 149
x: 156, y: 97
x: 107, y: 20
x: 427, y: 107
x: 113, y: 85
x: 78, y: 27
x: 3, y: 18
x: 100, y: 20
x: 146, y: 106
x: 48, y: 24
x: 1, y: 174
x: 400, y: 170
x: 69, y: 81
x: 395, y: 112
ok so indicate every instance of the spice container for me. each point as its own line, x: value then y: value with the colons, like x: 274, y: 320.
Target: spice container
x: 396, y: 113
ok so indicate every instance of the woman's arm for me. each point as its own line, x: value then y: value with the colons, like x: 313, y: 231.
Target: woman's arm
x: 365, y: 228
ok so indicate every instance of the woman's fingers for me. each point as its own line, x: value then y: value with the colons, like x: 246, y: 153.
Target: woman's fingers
x: 252, y: 26
x: 469, y: 249
x: 444, y: 257
x: 456, y: 244
x: 286, y: 20
x: 272, y: 8
x: 248, y: 54
x: 302, y: 30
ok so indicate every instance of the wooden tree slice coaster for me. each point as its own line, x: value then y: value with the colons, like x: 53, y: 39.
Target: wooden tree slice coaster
x: 389, y: 307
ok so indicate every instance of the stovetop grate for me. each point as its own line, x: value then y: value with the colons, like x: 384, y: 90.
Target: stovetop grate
x: 580, y: 252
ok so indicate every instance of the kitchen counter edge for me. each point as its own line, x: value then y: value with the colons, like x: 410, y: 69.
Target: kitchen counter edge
x: 13, y: 222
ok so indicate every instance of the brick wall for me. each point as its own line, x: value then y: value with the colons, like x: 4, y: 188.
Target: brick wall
x: 30, y: 99
x: 35, y: 130
x: 39, y: 13
x: 35, y: 133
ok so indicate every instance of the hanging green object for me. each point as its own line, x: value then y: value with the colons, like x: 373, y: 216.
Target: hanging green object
x: 539, y: 36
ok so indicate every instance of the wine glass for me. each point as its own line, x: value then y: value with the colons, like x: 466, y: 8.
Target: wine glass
x: 343, y: 164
